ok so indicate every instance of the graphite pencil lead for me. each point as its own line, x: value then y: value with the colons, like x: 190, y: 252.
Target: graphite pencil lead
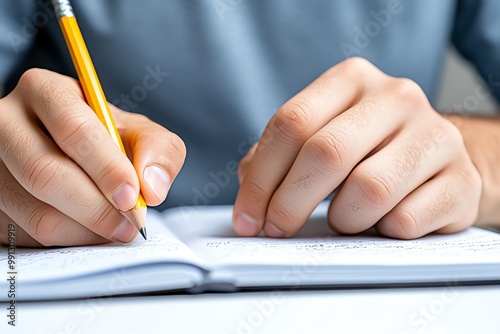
x: 143, y: 233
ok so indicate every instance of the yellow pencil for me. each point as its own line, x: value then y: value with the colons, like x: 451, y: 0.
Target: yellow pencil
x: 94, y: 93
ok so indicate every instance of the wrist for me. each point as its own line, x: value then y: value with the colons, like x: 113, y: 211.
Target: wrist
x: 481, y: 137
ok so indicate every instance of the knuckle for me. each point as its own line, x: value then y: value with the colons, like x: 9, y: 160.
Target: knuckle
x: 446, y: 130
x: 375, y: 190
x: 43, y: 224
x: 138, y: 118
x: 407, y: 91
x: 329, y: 150
x: 49, y: 90
x: 111, y: 169
x: 325, y: 85
x: 443, y: 134
x: 54, y: 94
x: 292, y: 121
x: 125, y: 118
x: 357, y: 64
x: 405, y: 225
x: 73, y: 128
x: 43, y: 175
x: 31, y: 78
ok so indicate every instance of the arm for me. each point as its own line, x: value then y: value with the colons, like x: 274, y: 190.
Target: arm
x: 481, y: 136
x: 475, y: 35
x: 424, y: 176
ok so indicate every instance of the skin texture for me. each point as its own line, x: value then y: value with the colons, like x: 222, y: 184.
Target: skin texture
x: 62, y: 178
x: 393, y: 161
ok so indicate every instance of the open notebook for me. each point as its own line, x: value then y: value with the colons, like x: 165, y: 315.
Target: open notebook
x: 195, y: 249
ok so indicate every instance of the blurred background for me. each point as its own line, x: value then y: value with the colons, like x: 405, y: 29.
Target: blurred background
x: 458, y: 88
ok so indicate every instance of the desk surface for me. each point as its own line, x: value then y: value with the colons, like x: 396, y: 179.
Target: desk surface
x: 449, y: 309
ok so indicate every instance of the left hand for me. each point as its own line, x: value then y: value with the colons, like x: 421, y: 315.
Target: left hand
x: 395, y: 162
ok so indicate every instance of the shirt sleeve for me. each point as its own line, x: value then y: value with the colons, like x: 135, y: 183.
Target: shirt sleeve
x: 476, y: 35
x: 19, y: 24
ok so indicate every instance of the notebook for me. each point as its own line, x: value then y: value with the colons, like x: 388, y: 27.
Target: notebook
x: 194, y: 249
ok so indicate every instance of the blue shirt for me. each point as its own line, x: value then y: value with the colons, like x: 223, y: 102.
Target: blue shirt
x: 215, y: 71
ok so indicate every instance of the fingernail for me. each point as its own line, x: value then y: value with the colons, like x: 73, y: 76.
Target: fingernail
x: 246, y: 226
x: 158, y: 180
x: 125, y: 197
x: 125, y: 232
x: 272, y: 231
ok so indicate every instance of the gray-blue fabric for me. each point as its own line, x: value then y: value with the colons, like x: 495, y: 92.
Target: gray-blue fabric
x: 215, y: 71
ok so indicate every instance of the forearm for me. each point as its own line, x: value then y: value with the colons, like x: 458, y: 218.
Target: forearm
x: 482, y: 139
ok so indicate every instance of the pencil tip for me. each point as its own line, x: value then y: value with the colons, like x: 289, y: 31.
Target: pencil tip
x: 138, y: 218
x: 143, y: 233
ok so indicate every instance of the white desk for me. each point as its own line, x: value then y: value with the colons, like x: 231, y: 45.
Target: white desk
x: 423, y: 310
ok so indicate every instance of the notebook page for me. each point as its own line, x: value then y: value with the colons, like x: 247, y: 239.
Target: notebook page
x: 59, y: 263
x: 209, y: 233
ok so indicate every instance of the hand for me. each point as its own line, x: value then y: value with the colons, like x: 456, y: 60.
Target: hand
x: 395, y: 163
x: 62, y: 178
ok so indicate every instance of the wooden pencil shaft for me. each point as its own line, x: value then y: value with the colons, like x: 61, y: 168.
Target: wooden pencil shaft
x: 90, y: 82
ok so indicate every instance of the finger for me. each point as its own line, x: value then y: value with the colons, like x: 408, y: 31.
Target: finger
x: 38, y: 220
x: 380, y: 182
x: 158, y: 154
x: 326, y: 159
x: 58, y: 102
x: 12, y: 235
x: 53, y: 178
x: 293, y: 124
x: 444, y: 204
x: 245, y: 161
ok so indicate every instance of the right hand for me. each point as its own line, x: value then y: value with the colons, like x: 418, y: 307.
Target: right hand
x: 62, y: 178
